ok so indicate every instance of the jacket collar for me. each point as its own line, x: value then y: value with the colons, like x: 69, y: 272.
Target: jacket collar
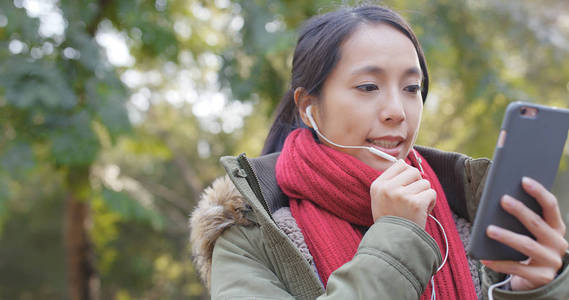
x: 222, y: 205
x: 449, y: 166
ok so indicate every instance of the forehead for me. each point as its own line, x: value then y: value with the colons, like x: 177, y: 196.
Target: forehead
x: 378, y: 45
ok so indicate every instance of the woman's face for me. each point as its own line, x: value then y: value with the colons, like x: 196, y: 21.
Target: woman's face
x: 373, y: 95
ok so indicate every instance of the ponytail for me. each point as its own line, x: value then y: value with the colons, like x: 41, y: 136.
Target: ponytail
x: 287, y: 119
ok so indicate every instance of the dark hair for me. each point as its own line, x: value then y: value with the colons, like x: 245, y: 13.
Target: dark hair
x: 317, y: 53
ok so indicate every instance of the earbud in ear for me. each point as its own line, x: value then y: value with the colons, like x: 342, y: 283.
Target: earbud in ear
x: 309, y: 115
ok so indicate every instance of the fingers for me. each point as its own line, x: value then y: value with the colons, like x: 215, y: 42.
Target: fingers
x: 395, y: 169
x: 417, y: 187
x: 535, y: 224
x: 525, y: 245
x: 533, y: 276
x: 400, y: 166
x: 407, y: 176
x: 548, y: 202
x: 412, y: 183
x: 401, y: 191
x: 429, y: 197
x: 546, y: 253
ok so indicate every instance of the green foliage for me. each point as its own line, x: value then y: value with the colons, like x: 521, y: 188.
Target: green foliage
x: 151, y: 29
x: 75, y: 143
x: 35, y: 85
x: 45, y: 108
x: 19, y: 24
x: 90, y: 57
x: 129, y: 209
x: 17, y: 160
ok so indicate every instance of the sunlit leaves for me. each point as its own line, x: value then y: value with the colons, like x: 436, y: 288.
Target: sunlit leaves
x: 89, y: 52
x: 151, y: 30
x: 57, y: 108
x: 19, y: 24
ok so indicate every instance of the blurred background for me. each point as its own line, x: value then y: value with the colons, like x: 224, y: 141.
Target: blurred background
x: 114, y: 113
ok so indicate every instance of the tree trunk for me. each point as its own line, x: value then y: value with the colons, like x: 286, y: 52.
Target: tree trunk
x: 82, y: 279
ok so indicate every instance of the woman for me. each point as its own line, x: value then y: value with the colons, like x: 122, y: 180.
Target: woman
x: 321, y: 220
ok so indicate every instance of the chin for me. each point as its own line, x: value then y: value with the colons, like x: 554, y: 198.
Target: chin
x: 379, y: 164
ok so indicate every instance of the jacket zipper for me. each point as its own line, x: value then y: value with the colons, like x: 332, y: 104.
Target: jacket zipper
x: 256, y: 187
x: 254, y: 183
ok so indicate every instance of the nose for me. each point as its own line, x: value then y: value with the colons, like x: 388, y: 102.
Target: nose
x: 391, y: 109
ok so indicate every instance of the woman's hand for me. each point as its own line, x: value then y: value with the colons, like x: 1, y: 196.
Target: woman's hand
x: 401, y: 191
x: 546, y: 253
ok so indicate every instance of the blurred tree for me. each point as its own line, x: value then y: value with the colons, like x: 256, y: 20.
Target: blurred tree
x: 57, y: 88
x: 63, y: 109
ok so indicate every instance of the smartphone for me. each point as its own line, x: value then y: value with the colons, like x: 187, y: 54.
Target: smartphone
x: 530, y: 143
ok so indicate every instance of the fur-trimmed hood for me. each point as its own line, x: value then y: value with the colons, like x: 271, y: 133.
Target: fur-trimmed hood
x: 220, y: 206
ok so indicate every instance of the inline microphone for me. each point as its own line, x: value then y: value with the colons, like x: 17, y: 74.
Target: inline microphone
x: 370, y: 149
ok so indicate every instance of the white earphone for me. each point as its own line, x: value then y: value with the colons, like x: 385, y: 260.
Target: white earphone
x: 370, y: 149
x: 392, y: 159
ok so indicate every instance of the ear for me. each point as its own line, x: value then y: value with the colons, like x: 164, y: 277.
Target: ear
x: 303, y: 100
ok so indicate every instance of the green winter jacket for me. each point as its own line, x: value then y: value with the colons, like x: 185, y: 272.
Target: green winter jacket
x: 241, y: 253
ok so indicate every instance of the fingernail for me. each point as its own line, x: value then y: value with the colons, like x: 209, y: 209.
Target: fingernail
x: 528, y: 181
x: 493, y: 231
x: 508, y: 201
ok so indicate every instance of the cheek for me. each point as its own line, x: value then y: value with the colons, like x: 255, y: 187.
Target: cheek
x: 342, y: 126
x: 344, y: 116
x: 351, y: 121
x: 414, y: 114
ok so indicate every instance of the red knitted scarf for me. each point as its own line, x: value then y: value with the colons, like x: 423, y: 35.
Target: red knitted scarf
x: 329, y: 196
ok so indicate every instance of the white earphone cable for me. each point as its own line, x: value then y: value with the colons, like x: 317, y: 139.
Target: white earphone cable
x: 446, y: 242
x: 370, y: 149
x: 393, y: 159
x: 433, y: 294
x: 501, y: 283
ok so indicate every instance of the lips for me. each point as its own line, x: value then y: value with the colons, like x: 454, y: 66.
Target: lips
x: 391, y: 145
x: 384, y: 143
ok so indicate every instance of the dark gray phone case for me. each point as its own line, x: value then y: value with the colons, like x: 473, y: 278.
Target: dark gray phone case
x: 533, y: 148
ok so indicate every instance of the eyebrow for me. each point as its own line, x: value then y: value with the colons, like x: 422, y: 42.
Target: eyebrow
x: 378, y: 71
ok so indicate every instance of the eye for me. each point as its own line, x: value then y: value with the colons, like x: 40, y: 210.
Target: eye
x: 368, y: 87
x: 414, y: 88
